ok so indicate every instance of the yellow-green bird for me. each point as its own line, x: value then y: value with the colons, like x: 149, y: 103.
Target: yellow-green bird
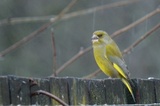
x: 109, y: 58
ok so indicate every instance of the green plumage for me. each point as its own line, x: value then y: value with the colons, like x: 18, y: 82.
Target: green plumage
x: 109, y: 58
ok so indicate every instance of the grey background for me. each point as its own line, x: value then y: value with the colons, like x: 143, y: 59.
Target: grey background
x: 35, y: 59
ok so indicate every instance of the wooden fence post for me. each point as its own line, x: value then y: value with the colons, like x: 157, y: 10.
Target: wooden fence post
x: 97, y: 92
x: 59, y: 88
x: 157, y: 90
x: 115, y: 91
x: 40, y: 84
x: 4, y: 91
x: 78, y: 91
x: 19, y: 90
x: 145, y: 92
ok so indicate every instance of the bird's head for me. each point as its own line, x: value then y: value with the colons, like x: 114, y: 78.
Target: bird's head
x: 100, y: 37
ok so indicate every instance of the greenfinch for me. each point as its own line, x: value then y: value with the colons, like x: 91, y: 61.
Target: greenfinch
x: 109, y: 58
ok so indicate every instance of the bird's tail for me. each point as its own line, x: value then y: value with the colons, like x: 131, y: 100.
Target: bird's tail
x: 126, y: 82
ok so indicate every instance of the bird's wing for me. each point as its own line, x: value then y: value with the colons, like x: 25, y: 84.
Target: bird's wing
x: 120, y: 66
x: 113, y: 54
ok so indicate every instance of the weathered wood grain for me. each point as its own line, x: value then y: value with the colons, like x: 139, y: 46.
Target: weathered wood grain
x: 19, y: 90
x: 115, y: 91
x: 145, y: 92
x: 157, y: 89
x: 96, y: 92
x: 59, y: 88
x: 4, y: 91
x: 40, y: 84
x: 78, y: 91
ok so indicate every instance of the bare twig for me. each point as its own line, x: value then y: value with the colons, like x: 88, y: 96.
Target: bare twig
x: 130, y: 48
x: 32, y: 82
x: 115, y: 34
x: 67, y: 16
x: 92, y: 75
x: 24, y: 40
x: 65, y: 10
x: 25, y: 20
x: 98, y: 8
x: 75, y: 57
x: 35, y: 33
x: 49, y: 95
x: 54, y: 51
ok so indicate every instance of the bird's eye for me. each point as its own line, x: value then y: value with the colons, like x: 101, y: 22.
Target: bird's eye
x: 99, y: 35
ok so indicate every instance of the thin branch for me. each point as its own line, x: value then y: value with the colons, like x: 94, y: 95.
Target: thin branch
x: 25, y: 20
x: 75, y: 57
x: 130, y: 48
x: 37, y: 32
x: 54, y: 51
x: 98, y: 8
x: 115, y: 34
x: 24, y: 40
x: 92, y: 75
x: 67, y: 16
x: 65, y: 10
x: 38, y: 92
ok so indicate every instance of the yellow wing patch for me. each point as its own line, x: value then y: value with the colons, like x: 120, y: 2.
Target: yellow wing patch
x: 119, y: 70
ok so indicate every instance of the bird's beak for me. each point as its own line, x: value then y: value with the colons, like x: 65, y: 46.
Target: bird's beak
x: 94, y: 38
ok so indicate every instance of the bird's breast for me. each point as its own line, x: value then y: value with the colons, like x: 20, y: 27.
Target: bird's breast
x: 103, y: 63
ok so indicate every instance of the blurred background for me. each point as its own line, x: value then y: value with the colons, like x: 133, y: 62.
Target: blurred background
x: 35, y: 58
